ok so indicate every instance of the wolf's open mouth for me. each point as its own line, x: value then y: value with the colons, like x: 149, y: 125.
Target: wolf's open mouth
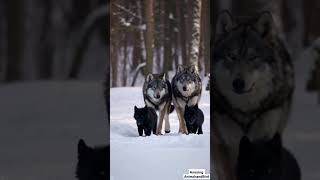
x: 244, y: 91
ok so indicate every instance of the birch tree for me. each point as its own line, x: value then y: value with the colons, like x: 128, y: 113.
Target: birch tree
x: 149, y: 4
x: 194, y: 44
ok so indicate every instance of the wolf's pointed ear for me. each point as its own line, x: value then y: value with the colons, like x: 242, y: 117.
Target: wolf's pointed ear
x: 225, y: 23
x: 266, y: 26
x: 276, y: 144
x: 245, y: 145
x: 163, y: 76
x: 82, y: 147
x: 149, y: 77
x: 193, y: 69
x: 135, y: 108
x: 180, y: 68
x: 196, y: 106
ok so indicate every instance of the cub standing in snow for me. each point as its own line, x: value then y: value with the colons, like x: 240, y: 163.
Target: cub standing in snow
x: 194, y: 119
x: 157, y: 94
x: 253, y: 84
x: 266, y: 160
x: 92, y: 162
x: 146, y: 118
x: 186, y: 88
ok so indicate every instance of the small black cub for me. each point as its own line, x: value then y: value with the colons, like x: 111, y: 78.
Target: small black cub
x: 266, y: 160
x: 146, y: 118
x: 194, y: 119
x: 92, y: 162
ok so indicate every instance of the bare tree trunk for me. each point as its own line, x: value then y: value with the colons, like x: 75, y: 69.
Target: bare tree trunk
x: 125, y: 60
x: 194, y: 42
x: 206, y: 34
x: 149, y: 4
x: 311, y: 10
x: 182, y: 30
x: 45, y: 60
x: 167, y: 59
x: 114, y: 45
x: 15, y: 15
x: 3, y: 45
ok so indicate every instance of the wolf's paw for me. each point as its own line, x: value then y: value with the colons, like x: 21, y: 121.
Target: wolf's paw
x: 167, y: 132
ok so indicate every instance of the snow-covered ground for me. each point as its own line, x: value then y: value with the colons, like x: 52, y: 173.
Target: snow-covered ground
x: 41, y: 123
x: 156, y: 157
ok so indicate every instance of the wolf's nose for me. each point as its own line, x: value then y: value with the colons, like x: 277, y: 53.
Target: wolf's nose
x: 158, y: 96
x: 238, y: 85
x: 184, y: 88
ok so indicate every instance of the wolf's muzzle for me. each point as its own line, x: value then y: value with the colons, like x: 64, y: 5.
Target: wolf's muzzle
x: 238, y: 85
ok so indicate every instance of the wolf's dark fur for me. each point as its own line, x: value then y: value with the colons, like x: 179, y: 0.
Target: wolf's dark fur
x: 266, y: 160
x: 92, y: 162
x: 194, y: 119
x: 146, y: 118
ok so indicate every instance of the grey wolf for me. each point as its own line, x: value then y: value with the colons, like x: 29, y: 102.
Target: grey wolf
x: 194, y: 119
x: 266, y: 160
x: 146, y: 118
x: 253, y: 83
x: 157, y: 94
x: 92, y: 162
x: 186, y: 89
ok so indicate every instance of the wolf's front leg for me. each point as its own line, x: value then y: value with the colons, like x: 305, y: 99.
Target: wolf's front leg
x: 161, y: 117
x: 200, y: 130
x: 181, y: 120
x: 154, y: 130
x: 166, y: 120
x: 140, y: 130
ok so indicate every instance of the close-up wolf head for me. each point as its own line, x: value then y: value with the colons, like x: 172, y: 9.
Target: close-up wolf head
x: 259, y: 161
x: 92, y: 162
x: 156, y: 86
x: 187, y: 80
x: 266, y: 160
x: 249, y: 60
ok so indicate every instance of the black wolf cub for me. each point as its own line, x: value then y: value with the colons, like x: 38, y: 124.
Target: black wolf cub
x: 146, y: 118
x: 92, y: 162
x: 194, y: 119
x: 266, y: 160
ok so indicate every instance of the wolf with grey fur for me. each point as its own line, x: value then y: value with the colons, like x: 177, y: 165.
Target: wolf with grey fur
x: 186, y: 89
x: 157, y: 94
x: 253, y: 83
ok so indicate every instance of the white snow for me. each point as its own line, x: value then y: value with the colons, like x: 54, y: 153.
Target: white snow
x: 156, y: 157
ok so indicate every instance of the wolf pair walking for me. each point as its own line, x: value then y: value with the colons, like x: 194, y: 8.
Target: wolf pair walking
x: 184, y: 90
x: 253, y: 83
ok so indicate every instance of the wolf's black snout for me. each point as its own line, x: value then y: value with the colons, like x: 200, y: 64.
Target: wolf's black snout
x: 184, y: 88
x: 158, y: 96
x: 238, y: 85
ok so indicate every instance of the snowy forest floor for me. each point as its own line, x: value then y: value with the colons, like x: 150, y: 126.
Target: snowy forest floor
x: 156, y: 157
x: 41, y: 123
